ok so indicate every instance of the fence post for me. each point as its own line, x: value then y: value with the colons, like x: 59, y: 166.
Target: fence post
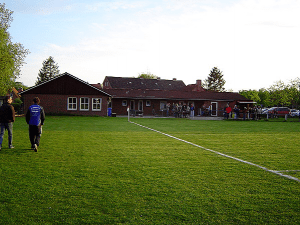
x: 128, y: 114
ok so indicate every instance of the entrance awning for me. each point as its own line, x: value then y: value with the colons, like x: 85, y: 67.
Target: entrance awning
x: 246, y: 102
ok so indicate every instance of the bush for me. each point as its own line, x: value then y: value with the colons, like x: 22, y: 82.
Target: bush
x: 17, y: 104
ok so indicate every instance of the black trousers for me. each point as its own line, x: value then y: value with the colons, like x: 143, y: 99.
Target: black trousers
x: 35, y: 134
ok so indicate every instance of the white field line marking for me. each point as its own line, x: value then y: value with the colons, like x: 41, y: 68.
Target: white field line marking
x: 224, y: 155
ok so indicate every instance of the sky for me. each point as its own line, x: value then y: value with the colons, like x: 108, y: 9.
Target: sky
x: 255, y: 43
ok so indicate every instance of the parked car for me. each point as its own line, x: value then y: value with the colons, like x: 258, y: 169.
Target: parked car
x: 264, y: 110
x: 294, y: 112
x: 277, y: 111
x: 268, y: 111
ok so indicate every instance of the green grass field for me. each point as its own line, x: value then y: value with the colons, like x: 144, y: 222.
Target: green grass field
x: 91, y: 170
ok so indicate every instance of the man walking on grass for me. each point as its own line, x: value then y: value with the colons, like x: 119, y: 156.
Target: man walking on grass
x: 7, y: 118
x: 35, y: 118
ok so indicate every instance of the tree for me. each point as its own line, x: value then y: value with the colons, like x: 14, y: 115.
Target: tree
x: 20, y: 85
x: 5, y: 17
x: 147, y: 76
x: 264, y: 96
x: 12, y: 55
x: 215, y: 81
x: 251, y: 94
x: 295, y: 89
x: 279, y: 94
x: 6, y: 64
x: 48, y: 71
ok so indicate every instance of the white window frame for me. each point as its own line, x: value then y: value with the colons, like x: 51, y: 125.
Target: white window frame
x: 148, y: 103
x: 85, y: 104
x: 164, y: 104
x: 96, y: 103
x: 73, y: 103
x: 214, y: 113
x: 124, y: 103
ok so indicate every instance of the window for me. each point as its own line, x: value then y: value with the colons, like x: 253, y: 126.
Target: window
x: 163, y: 105
x: 124, y: 103
x: 84, y: 103
x: 72, y: 103
x: 97, y: 104
x: 148, y: 103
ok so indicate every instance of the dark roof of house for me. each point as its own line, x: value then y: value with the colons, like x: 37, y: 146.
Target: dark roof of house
x: 144, y: 84
x: 176, y: 95
x: 193, y: 87
x: 97, y: 86
x: 64, y: 84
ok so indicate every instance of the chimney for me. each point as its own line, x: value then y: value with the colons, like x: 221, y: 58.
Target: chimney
x: 174, y: 79
x: 198, y: 83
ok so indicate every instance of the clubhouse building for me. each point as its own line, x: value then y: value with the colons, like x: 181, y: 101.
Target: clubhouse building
x: 67, y: 94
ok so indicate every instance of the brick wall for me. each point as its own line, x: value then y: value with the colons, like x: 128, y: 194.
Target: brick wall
x: 59, y: 104
x: 147, y: 110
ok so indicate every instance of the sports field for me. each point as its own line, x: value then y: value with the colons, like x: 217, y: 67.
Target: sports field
x: 92, y: 170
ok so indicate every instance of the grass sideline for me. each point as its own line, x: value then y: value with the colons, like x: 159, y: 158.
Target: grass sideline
x: 91, y: 170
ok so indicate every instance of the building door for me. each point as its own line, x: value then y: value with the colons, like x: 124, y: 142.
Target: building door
x: 214, y: 109
x: 190, y: 103
x: 140, y: 105
x: 132, y: 105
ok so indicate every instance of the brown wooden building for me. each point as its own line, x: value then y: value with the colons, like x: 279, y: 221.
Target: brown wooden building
x: 66, y: 94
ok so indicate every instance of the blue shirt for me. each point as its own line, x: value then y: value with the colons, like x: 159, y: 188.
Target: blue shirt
x: 35, y: 115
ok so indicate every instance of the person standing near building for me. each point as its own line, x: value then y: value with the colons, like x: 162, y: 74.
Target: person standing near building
x: 192, y: 110
x: 168, y: 109
x: 259, y: 112
x: 228, y: 111
x: 35, y: 118
x: 7, y: 118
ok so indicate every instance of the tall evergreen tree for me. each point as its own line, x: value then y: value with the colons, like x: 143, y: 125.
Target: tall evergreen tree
x: 48, y: 71
x: 215, y: 80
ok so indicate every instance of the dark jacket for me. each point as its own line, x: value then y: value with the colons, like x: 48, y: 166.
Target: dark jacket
x: 7, y: 113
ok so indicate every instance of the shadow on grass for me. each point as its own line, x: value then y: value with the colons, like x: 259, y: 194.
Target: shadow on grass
x: 15, y: 151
